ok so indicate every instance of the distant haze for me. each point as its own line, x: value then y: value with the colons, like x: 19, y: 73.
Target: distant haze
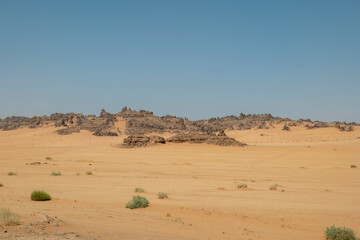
x: 194, y: 59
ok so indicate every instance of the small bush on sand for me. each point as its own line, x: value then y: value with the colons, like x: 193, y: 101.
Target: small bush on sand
x: 353, y: 166
x: 137, y: 202
x: 89, y: 173
x: 9, y: 218
x: 12, y: 173
x: 48, y: 158
x: 40, y: 196
x: 242, y: 186
x: 1, y: 185
x: 78, y: 174
x: 162, y: 195
x: 273, y: 187
x: 55, y: 174
x: 339, y: 233
x: 139, y: 190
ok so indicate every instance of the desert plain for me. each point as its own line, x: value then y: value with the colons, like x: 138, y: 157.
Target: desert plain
x: 316, y: 187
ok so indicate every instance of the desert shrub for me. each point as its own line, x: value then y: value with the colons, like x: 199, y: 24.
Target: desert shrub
x: 12, y: 173
x: 9, y: 218
x: 353, y: 166
x: 137, y: 202
x: 139, y: 190
x: 273, y: 187
x: 178, y: 220
x: 55, y: 174
x: 40, y: 196
x: 339, y: 233
x: 243, y: 186
x: 1, y: 185
x: 162, y: 195
x: 89, y: 173
x: 48, y: 158
x: 78, y: 174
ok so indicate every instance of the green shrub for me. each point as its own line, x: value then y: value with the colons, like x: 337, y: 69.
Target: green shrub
x: 89, y: 173
x: 353, y: 166
x: 9, y: 218
x: 139, y: 190
x: 338, y: 233
x: 243, y: 186
x: 137, y: 202
x: 12, y: 173
x: 273, y: 187
x: 162, y: 195
x: 40, y: 196
x: 55, y: 174
x: 48, y: 158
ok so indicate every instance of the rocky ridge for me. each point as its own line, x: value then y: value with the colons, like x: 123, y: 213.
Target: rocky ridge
x: 144, y: 122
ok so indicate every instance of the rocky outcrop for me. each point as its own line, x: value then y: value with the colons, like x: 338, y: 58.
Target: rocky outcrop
x: 285, y: 128
x: 104, y: 132
x: 145, y: 123
x: 11, y: 123
x: 221, y: 139
x: 188, y: 138
x: 142, y: 141
x: 224, y: 141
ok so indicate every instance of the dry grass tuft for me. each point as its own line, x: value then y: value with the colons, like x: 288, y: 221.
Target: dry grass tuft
x: 9, y: 218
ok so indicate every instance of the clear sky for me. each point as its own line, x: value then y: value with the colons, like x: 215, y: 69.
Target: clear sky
x: 195, y: 59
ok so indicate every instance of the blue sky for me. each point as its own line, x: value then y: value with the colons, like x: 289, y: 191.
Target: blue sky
x: 195, y: 59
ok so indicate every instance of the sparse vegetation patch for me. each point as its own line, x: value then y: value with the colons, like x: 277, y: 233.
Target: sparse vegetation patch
x: 37, y: 195
x: 139, y: 190
x: 242, y: 186
x: 9, y: 218
x: 162, y: 195
x: 12, y: 173
x: 339, y: 233
x: 89, y: 173
x: 137, y: 202
x: 273, y: 187
x: 353, y: 166
x: 55, y: 174
x: 48, y: 158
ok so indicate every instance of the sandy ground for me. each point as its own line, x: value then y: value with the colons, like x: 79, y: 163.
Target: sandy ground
x: 317, y: 187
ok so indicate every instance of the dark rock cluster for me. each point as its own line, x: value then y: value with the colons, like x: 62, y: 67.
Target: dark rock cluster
x: 285, y: 128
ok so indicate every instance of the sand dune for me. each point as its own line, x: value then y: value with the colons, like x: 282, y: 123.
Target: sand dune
x: 317, y: 188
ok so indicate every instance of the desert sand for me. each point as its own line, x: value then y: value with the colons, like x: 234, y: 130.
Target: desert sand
x: 316, y: 186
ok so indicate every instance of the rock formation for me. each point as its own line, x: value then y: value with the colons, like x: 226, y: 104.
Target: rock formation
x: 221, y: 139
x: 144, y: 123
x: 142, y: 141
